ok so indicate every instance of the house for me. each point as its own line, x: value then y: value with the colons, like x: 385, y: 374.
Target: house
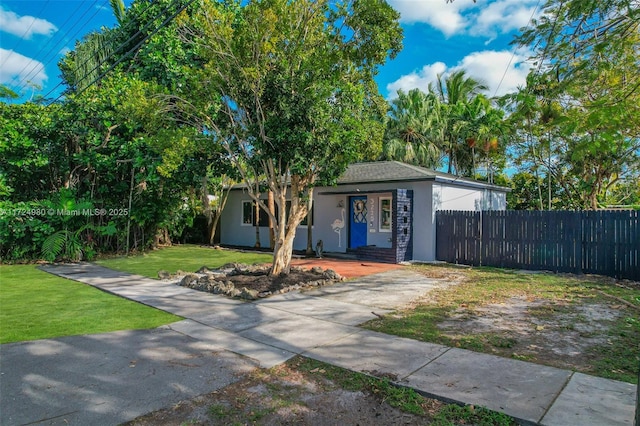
x: 382, y: 211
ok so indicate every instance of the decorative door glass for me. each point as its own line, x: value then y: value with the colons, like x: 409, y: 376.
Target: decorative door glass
x: 359, y: 211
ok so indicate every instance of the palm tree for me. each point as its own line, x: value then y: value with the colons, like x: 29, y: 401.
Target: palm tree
x: 408, y: 135
x: 455, y: 92
x: 95, y: 50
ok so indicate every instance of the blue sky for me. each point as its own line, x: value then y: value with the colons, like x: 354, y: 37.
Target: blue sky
x: 439, y: 37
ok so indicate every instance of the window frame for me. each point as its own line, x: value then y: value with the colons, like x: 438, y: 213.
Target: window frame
x: 264, y: 217
x: 381, y: 226
x: 243, y: 221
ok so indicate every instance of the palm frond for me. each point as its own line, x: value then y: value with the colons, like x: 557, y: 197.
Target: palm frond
x: 53, y: 245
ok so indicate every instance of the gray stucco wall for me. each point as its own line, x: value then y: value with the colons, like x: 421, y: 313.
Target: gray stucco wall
x: 332, y: 208
x: 234, y: 232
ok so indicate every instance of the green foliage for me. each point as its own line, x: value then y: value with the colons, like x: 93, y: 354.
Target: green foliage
x: 577, y: 120
x: 410, y: 130
x: 531, y: 192
x: 451, y: 415
x: 28, y: 149
x: 112, y: 142
x: 453, y: 121
x: 7, y: 93
x: 67, y: 245
x: 23, y: 229
x: 299, y: 98
x: 406, y: 399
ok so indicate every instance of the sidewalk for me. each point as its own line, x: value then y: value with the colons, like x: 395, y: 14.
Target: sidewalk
x: 322, y: 325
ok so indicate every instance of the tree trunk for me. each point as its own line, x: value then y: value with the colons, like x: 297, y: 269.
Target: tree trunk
x: 282, y: 253
x: 539, y: 184
x: 272, y: 210
x: 286, y: 229
x: 593, y: 200
x: 214, y: 225
x: 310, y: 227
x: 257, y: 215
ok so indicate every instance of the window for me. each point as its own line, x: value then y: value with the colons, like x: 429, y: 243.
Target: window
x: 305, y: 219
x: 249, y: 214
x: 385, y: 214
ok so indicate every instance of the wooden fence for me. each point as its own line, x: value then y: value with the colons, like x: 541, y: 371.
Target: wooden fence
x: 593, y: 242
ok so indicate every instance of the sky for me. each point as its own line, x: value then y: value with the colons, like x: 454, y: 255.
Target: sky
x: 440, y: 37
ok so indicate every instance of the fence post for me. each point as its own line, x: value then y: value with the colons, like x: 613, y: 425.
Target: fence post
x: 578, y: 242
x: 480, y: 245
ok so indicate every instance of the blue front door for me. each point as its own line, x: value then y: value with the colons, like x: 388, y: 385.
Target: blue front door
x: 357, y: 222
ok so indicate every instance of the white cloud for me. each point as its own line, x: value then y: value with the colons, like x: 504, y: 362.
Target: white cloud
x: 502, y: 17
x: 487, y: 66
x: 446, y: 17
x: 485, y: 19
x: 24, y: 26
x: 17, y: 67
x: 416, y: 80
x: 501, y: 71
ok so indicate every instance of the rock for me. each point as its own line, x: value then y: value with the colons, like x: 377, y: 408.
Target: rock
x: 233, y: 265
x: 203, y: 270
x: 316, y: 270
x: 189, y: 280
x: 332, y: 275
x: 223, y: 288
x: 297, y: 269
x: 208, y: 278
x: 247, y: 294
x: 164, y: 275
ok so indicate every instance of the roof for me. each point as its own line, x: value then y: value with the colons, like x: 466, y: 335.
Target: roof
x: 395, y: 171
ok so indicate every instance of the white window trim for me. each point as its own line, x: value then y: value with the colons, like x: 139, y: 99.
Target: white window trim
x: 380, y: 215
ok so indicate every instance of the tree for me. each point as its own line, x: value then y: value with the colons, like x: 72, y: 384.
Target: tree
x: 455, y: 92
x: 410, y: 124
x: 586, y: 94
x: 298, y: 98
x: 454, y: 121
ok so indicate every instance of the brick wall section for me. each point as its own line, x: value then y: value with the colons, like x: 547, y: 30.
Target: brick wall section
x: 402, y: 235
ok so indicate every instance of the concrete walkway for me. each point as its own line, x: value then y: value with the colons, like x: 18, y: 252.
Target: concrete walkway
x: 321, y: 324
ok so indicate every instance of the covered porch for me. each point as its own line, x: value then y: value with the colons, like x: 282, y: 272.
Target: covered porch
x: 374, y: 225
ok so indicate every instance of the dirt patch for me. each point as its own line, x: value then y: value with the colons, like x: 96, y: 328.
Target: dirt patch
x: 585, y: 323
x: 555, y: 333
x: 285, y: 395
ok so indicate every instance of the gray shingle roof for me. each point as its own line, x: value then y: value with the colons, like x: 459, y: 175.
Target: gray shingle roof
x: 395, y: 171
x: 384, y: 171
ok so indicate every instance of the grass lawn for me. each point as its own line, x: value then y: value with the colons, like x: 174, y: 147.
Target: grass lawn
x: 556, y: 311
x: 38, y: 305
x: 187, y: 258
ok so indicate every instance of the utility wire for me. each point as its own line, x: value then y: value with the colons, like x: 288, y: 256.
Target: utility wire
x: 513, y: 54
x: 24, y: 34
x: 35, y: 66
x: 166, y: 21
